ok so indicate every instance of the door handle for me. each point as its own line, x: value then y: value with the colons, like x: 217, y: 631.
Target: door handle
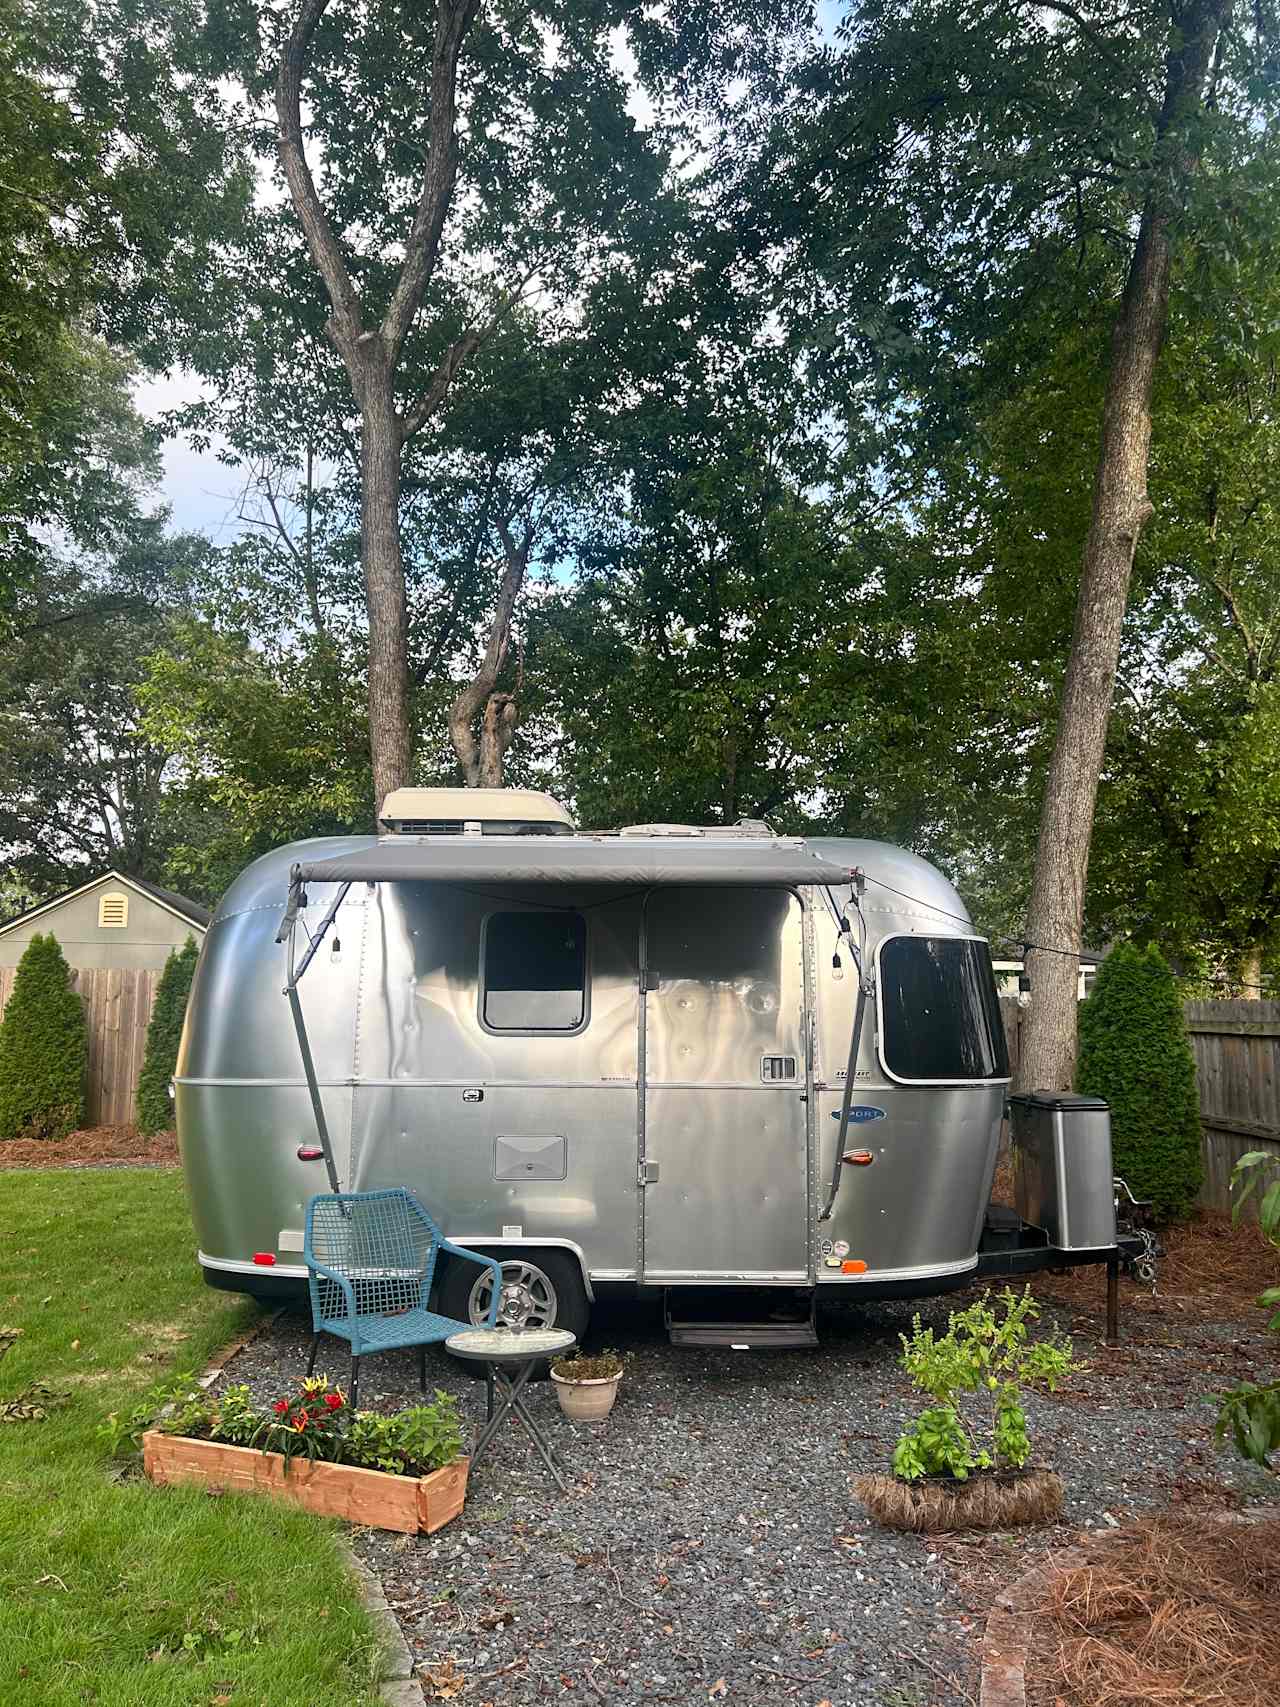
x: 648, y: 1173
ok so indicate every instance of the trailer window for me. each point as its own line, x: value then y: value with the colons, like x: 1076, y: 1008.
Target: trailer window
x: 535, y: 972
x: 939, y: 1012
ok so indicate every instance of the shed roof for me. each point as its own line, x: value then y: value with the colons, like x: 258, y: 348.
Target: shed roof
x: 191, y: 911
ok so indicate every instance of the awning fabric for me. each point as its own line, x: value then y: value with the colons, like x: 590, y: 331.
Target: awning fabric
x: 627, y: 860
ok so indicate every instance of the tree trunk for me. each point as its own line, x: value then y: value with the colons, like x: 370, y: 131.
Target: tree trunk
x: 1251, y: 974
x: 482, y: 762
x: 1055, y: 915
x: 381, y: 560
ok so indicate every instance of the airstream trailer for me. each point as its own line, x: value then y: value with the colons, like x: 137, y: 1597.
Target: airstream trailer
x: 711, y: 1061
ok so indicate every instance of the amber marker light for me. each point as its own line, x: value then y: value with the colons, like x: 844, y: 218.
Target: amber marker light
x: 854, y: 1265
x: 859, y: 1158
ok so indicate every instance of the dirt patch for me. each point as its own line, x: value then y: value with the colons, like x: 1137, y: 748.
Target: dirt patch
x: 95, y: 1146
x: 1177, y: 1611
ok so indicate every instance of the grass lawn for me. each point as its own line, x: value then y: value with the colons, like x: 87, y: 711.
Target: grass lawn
x: 111, y: 1591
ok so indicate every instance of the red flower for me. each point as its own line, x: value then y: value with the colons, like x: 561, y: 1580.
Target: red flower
x: 281, y: 1406
x: 334, y: 1401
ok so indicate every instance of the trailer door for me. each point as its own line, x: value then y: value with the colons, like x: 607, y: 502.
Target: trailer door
x: 724, y: 1146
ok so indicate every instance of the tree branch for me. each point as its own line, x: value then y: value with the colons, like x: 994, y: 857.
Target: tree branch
x: 453, y: 19
x: 463, y: 711
x: 467, y: 344
x: 325, y: 249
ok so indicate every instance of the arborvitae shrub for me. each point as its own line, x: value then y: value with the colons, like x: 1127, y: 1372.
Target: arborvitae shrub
x: 44, y: 1048
x: 155, y: 1111
x: 1134, y: 1052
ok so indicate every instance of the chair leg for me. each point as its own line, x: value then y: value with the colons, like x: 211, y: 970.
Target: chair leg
x: 355, y: 1382
x: 315, y: 1347
x: 422, y: 1369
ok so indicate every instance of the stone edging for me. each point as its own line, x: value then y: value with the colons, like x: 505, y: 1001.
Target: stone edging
x: 234, y: 1347
x: 397, y: 1686
x: 1008, y: 1633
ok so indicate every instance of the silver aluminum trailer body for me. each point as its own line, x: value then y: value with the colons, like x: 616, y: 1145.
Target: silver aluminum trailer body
x: 673, y: 1123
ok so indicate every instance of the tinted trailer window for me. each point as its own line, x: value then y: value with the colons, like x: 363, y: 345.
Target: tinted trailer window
x: 535, y: 972
x: 939, y: 1012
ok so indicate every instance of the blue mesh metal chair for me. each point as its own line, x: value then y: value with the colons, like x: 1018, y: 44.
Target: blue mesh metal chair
x: 370, y: 1258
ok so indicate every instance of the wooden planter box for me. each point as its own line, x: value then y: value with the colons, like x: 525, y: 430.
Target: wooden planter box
x: 369, y: 1497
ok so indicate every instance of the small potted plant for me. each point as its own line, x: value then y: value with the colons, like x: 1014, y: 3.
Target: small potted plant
x: 965, y: 1464
x: 586, y: 1386
x: 405, y: 1471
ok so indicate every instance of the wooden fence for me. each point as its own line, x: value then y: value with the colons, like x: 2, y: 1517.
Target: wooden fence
x: 1237, y: 1050
x: 117, y: 1004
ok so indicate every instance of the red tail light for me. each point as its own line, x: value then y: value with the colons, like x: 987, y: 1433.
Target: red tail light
x: 264, y: 1259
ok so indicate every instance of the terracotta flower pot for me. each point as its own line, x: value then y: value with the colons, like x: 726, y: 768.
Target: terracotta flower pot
x: 586, y: 1400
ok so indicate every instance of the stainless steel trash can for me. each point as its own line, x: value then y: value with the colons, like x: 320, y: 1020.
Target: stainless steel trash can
x: 1062, y: 1168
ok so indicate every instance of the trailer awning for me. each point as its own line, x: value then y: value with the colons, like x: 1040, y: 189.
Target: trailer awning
x: 624, y: 860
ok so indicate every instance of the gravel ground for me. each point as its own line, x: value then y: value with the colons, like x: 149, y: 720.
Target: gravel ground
x: 709, y: 1548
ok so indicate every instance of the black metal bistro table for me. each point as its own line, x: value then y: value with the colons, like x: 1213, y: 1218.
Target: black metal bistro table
x: 509, y: 1356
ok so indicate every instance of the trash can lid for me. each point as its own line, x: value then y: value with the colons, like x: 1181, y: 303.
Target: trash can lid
x: 1060, y: 1100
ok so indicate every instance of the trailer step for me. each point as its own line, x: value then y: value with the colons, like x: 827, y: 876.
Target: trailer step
x: 745, y: 1336
x: 714, y: 1317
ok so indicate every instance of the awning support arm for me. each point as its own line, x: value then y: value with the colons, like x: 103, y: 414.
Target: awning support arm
x: 855, y: 1040
x: 289, y: 931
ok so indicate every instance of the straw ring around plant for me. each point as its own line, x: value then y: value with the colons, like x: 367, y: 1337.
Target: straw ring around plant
x: 964, y: 1462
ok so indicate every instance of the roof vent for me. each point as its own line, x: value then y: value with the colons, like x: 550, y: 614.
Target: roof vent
x: 661, y: 830
x: 113, y: 910
x: 744, y: 827
x: 486, y: 811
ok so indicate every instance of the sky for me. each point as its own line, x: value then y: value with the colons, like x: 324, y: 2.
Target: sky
x: 199, y: 491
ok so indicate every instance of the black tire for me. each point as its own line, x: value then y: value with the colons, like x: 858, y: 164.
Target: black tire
x: 564, y: 1304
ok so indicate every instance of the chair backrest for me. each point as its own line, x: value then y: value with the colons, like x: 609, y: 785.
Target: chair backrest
x: 383, y: 1242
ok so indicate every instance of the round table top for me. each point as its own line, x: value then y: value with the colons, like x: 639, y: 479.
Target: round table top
x: 517, y: 1345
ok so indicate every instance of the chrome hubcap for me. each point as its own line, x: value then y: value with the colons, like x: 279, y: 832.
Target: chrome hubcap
x: 527, y: 1298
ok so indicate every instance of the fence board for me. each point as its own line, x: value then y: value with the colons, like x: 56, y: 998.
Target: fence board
x: 1237, y: 1050
x: 117, y: 1006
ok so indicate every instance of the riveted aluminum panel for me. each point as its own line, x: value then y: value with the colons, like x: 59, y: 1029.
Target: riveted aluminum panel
x: 427, y: 1137
x: 731, y: 1200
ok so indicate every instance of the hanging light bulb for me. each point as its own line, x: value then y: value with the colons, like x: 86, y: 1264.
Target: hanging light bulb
x: 335, y: 953
x: 837, y: 968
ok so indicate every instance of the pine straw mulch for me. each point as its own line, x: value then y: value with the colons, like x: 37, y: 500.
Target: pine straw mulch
x: 1171, y: 1612
x: 95, y: 1146
x: 1212, y: 1267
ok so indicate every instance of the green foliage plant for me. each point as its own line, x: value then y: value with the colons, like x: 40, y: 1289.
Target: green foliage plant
x: 1249, y: 1415
x: 44, y: 1050
x: 312, y: 1420
x: 1134, y: 1052
x: 982, y: 1352
x: 164, y: 1032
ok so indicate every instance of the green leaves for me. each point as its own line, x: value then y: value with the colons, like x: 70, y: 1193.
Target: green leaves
x: 43, y: 1048
x: 980, y: 1352
x: 164, y: 1032
x: 1134, y: 1052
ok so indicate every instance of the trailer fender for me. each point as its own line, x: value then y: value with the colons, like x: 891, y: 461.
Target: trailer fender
x: 497, y: 1246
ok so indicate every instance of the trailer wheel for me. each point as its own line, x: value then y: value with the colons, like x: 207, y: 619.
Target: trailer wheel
x: 540, y: 1289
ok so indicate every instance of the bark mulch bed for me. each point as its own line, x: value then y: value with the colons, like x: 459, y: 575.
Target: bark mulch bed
x: 1212, y: 1267
x: 1171, y: 1612
x: 94, y: 1147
